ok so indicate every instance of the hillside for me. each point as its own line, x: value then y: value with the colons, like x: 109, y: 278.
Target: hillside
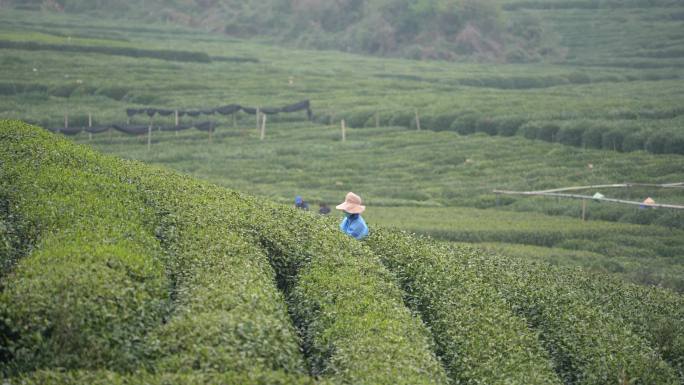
x: 522, y: 127
x: 124, y: 273
x: 425, y: 29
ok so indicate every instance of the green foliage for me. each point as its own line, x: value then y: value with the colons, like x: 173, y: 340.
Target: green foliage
x: 94, y: 283
x: 44, y: 377
x: 479, y: 339
x: 116, y: 236
x: 588, y: 345
x: 182, y: 56
x: 434, y: 29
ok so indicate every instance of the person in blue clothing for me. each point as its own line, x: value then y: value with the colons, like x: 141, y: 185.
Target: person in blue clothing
x: 353, y: 224
x: 300, y: 204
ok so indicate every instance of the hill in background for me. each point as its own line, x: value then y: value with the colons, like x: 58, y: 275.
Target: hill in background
x: 424, y: 29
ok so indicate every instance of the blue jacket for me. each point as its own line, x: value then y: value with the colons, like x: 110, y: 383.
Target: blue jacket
x: 355, y: 226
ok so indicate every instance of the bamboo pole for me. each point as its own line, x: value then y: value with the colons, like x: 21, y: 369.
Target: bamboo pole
x: 417, y: 120
x: 258, y: 112
x: 344, y: 131
x: 263, y: 127
x: 177, y: 123
x: 619, y: 185
x: 149, y: 137
x: 576, y: 196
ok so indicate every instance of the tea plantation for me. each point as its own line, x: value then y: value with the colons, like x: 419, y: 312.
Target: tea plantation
x: 126, y: 273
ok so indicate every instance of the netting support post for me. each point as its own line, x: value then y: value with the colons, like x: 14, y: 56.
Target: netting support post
x: 344, y: 131
x: 258, y: 112
x: 177, y: 123
x: 149, y: 136
x: 263, y: 127
x: 417, y: 121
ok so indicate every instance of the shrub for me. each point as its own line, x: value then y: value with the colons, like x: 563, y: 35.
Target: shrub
x: 635, y: 141
x: 657, y: 142
x: 612, y: 139
x: 479, y: 339
x: 95, y: 283
x: 592, y: 137
x: 547, y: 131
x: 587, y: 344
x: 570, y: 134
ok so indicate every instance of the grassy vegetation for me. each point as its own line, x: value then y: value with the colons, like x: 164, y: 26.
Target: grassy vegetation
x: 441, y: 183
x: 367, y: 312
x: 590, y: 103
x: 530, y: 126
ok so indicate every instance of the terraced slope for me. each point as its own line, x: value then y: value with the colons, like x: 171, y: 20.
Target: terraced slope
x: 163, y: 278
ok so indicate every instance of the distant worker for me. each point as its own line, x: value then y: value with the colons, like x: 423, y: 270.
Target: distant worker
x: 300, y: 204
x: 353, y: 224
x: 324, y: 209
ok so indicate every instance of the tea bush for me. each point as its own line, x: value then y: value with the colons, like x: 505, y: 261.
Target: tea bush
x: 479, y: 339
x: 44, y: 377
x: 95, y: 282
x: 588, y: 344
x: 354, y: 325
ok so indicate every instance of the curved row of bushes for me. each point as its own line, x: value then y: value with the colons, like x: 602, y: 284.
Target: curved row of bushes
x: 95, y: 282
x: 349, y: 312
x: 95, y: 294
x: 479, y: 338
x: 64, y: 90
x: 228, y: 314
x: 589, y: 345
x: 171, y: 55
x: 620, y: 131
x: 354, y: 325
x: 100, y: 377
x: 653, y: 313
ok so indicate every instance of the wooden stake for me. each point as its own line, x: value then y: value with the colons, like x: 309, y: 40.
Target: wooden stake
x: 417, y: 120
x: 66, y: 120
x: 149, y: 137
x: 90, y: 125
x: 177, y: 120
x: 584, y: 209
x: 258, y: 112
x: 344, y: 131
x: 263, y: 127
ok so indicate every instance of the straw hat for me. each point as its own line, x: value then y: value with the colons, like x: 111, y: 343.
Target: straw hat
x: 351, y: 204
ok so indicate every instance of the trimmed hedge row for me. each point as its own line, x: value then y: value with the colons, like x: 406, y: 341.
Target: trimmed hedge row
x: 479, y: 339
x: 653, y: 313
x: 588, y: 345
x: 44, y: 377
x: 617, y: 136
x: 354, y: 325
x: 171, y: 55
x: 95, y: 283
x: 229, y: 314
x: 621, y: 130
